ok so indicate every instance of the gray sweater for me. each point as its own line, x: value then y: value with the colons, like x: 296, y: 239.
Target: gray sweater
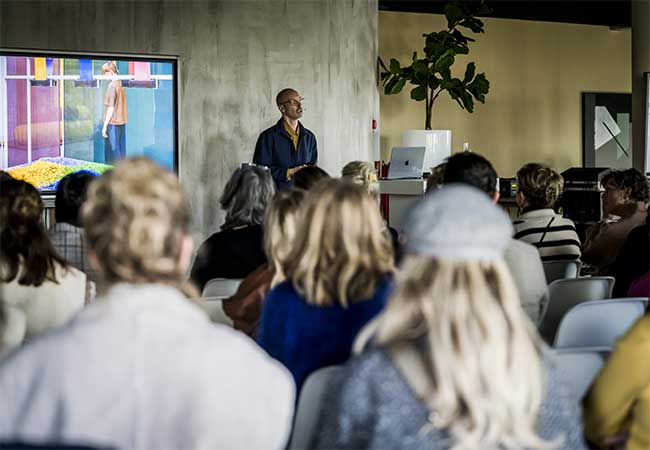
x: 369, y: 405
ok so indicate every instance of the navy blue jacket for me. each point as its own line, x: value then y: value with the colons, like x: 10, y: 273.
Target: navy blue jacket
x: 305, y: 337
x: 274, y: 149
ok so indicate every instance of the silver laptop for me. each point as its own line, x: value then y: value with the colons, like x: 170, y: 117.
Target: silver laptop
x: 406, y: 162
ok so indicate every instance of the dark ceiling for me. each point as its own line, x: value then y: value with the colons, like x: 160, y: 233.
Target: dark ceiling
x: 613, y: 13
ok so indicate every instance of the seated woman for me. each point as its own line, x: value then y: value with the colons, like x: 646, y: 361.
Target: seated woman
x: 237, y: 249
x: 364, y: 174
x: 34, y: 279
x: 338, y: 278
x: 143, y: 367
x: 280, y: 225
x: 625, y: 207
x: 554, y: 236
x: 617, y: 407
x: 453, y: 361
x: 307, y: 177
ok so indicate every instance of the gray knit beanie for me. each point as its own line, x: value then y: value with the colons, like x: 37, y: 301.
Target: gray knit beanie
x: 457, y: 221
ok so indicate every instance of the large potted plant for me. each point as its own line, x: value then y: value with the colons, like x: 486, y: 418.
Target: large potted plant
x: 431, y: 74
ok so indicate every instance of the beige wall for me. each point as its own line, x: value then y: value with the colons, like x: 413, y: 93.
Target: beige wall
x: 537, y: 72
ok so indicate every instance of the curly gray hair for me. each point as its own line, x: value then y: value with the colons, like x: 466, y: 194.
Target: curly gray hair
x: 246, y: 196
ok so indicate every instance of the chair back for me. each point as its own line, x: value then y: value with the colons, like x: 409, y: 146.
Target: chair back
x: 213, y: 306
x: 598, y: 323
x: 558, y: 270
x: 578, y: 367
x: 221, y: 287
x: 309, y: 407
x: 565, y: 294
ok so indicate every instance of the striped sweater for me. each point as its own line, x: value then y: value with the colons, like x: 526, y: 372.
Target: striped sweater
x: 554, y: 236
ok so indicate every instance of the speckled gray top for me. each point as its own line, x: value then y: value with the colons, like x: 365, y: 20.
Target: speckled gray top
x: 369, y: 405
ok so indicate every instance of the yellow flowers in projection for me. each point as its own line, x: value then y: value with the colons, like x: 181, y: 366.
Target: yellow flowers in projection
x: 40, y: 173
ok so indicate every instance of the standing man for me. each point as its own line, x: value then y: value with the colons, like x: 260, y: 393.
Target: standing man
x: 116, y: 115
x: 287, y: 146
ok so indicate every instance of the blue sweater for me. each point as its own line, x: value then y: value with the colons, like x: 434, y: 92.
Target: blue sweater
x: 305, y: 337
x: 275, y: 150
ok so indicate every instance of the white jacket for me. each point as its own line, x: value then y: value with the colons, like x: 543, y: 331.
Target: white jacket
x: 144, y: 368
x: 49, y: 305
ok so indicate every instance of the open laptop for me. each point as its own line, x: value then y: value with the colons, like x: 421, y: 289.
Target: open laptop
x: 406, y: 162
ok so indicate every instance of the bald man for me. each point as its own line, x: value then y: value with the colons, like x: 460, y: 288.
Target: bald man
x: 287, y: 146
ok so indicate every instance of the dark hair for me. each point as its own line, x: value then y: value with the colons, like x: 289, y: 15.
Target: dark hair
x: 5, y: 176
x: 246, y: 195
x: 282, y: 94
x: 630, y: 179
x: 70, y: 195
x: 473, y: 169
x: 22, y: 237
x: 308, y: 176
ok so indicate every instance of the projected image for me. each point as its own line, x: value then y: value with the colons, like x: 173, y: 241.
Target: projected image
x: 67, y: 113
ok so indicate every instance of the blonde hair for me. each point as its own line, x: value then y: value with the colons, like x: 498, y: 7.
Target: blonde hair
x: 362, y: 173
x: 135, y: 220
x: 342, y: 250
x: 482, y: 353
x: 280, y: 229
x: 540, y: 184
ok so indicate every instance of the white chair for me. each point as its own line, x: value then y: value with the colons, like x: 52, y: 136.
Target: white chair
x: 598, y: 323
x: 558, y: 270
x: 565, y: 294
x: 221, y: 287
x: 309, y: 406
x: 213, y: 306
x: 578, y: 367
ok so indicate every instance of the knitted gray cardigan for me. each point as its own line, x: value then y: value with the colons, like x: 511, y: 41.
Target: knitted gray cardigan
x: 369, y: 405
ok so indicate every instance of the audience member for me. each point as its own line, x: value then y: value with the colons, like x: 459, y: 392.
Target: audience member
x: 144, y: 367
x: 238, y: 248
x: 281, y: 226
x: 436, y: 178
x: 554, y: 236
x: 522, y: 259
x: 5, y: 176
x: 364, y: 174
x: 617, y: 407
x: 338, y: 278
x: 306, y: 177
x: 66, y: 234
x: 633, y: 261
x: 625, y: 207
x: 640, y: 287
x: 34, y: 279
x: 454, y: 363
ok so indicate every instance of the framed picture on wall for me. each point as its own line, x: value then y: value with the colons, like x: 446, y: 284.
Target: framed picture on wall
x: 607, y: 130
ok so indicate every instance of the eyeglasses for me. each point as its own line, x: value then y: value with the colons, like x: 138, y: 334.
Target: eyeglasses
x: 294, y: 102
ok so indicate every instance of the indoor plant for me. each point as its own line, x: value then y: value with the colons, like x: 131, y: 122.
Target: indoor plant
x: 431, y: 75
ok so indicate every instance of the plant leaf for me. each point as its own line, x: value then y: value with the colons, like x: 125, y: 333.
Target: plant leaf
x: 454, y: 14
x: 420, y: 71
x: 444, y: 64
x: 469, y: 72
x: 434, y: 83
x: 398, y: 86
x: 419, y: 93
x: 389, y: 84
x: 394, y: 66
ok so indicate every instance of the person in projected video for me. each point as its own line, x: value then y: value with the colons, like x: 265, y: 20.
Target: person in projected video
x: 116, y: 115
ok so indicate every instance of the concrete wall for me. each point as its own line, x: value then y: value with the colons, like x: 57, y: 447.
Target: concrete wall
x: 537, y: 72
x: 235, y: 56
